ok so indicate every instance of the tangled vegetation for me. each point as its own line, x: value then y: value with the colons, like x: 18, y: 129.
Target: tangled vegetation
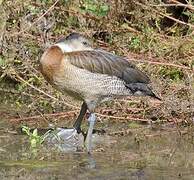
x: 156, y: 35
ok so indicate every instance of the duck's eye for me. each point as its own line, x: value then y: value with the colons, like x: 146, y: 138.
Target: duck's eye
x: 84, y: 43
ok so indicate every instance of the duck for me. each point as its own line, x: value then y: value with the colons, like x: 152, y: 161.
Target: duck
x: 91, y: 75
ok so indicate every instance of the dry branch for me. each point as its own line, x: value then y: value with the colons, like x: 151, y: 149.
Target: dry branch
x: 173, y: 3
x: 42, y: 92
x: 61, y: 114
x: 165, y: 15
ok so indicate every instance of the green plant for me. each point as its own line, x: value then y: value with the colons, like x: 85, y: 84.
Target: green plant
x: 171, y: 73
x: 2, y: 62
x: 34, y: 138
x: 95, y: 8
x: 135, y: 43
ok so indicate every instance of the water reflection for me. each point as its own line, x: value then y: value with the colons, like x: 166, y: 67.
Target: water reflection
x: 142, y: 154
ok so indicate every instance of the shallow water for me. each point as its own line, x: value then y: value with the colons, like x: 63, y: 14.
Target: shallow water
x: 140, y: 155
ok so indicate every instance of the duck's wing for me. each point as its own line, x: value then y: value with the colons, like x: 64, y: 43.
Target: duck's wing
x: 103, y: 62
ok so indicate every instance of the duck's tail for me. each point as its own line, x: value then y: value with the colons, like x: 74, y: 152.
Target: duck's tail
x: 142, y: 89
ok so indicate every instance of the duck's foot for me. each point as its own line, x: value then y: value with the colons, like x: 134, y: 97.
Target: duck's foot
x: 67, y: 139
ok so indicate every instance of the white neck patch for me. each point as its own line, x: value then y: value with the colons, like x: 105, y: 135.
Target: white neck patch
x: 64, y: 47
x: 70, y: 48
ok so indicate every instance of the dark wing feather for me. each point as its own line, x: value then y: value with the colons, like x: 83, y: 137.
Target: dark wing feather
x: 99, y: 61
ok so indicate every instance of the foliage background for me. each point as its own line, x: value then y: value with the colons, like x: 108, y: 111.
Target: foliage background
x: 160, y: 42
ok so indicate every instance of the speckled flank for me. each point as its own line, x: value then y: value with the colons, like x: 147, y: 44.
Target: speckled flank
x: 89, y: 85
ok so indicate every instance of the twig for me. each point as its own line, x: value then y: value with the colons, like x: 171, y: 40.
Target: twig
x: 124, y: 118
x: 160, y: 63
x: 121, y: 133
x: 132, y: 57
x: 190, y: 7
x: 135, y: 57
x: 42, y: 92
x: 174, y: 19
x: 76, y: 13
x: 72, y: 114
x: 61, y: 114
x: 36, y: 21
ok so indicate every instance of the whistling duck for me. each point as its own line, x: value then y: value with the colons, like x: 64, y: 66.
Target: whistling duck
x: 91, y: 75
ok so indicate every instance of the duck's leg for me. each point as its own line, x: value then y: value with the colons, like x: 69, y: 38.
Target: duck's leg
x: 88, y: 141
x: 77, y: 124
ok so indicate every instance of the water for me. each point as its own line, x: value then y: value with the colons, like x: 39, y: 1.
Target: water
x: 141, y: 154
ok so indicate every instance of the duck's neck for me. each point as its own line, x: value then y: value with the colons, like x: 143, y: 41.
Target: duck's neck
x: 64, y: 47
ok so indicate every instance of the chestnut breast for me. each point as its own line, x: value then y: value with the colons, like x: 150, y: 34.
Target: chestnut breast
x: 50, y: 62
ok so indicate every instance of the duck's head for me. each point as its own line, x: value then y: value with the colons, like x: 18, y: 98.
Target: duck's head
x: 74, y: 42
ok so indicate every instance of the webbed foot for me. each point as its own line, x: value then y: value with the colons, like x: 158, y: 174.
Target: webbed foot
x: 67, y: 139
